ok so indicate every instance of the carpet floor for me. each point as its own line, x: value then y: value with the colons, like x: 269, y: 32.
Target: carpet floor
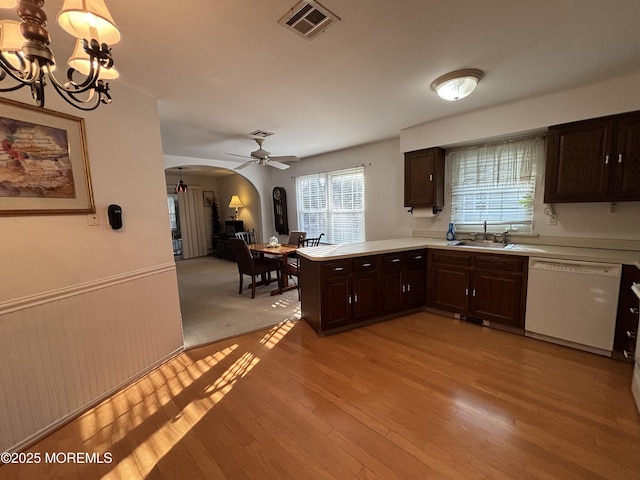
x: 213, y: 310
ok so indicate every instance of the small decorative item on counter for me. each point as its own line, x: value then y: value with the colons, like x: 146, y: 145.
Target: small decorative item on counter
x: 451, y: 233
x: 273, y: 242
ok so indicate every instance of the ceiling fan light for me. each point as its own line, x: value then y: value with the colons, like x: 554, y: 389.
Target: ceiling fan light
x: 89, y: 19
x: 456, y: 85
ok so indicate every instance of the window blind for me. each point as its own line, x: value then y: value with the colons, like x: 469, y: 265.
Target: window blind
x: 332, y: 203
x: 495, y: 183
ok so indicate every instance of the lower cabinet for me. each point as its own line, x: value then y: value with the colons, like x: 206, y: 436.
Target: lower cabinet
x: 340, y: 294
x: 483, y: 286
x: 403, y: 280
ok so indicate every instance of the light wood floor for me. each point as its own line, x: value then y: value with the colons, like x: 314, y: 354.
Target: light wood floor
x: 418, y: 397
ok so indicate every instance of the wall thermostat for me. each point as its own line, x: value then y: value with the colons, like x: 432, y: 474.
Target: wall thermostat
x: 114, y: 212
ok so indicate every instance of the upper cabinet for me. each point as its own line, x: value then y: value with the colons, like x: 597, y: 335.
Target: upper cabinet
x: 424, y: 178
x: 595, y: 160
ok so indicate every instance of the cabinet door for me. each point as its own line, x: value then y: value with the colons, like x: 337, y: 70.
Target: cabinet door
x: 364, y: 296
x: 414, y: 286
x: 449, y: 288
x: 627, y: 159
x: 392, y: 295
x: 497, y: 297
x: 336, y: 305
x: 424, y: 178
x: 578, y: 162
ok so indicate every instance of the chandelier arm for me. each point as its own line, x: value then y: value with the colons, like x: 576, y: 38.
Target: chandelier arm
x: 23, y: 76
x: 81, y: 104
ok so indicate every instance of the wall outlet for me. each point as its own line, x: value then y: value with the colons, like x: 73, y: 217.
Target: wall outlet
x: 552, y: 220
x: 93, y: 219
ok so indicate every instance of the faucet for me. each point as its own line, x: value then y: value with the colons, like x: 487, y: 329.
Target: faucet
x: 484, y: 236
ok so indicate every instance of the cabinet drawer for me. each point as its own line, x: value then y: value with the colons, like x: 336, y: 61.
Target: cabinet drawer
x: 499, y: 262
x: 365, y: 264
x: 450, y: 258
x: 336, y: 268
x: 417, y: 258
x: 392, y: 261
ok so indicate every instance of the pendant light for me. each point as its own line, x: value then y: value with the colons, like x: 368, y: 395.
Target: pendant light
x: 181, y: 186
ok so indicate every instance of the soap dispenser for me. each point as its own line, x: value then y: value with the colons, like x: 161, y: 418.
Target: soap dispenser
x: 451, y: 233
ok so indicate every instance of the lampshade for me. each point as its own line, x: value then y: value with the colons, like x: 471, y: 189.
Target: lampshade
x: 80, y: 61
x: 89, y: 19
x: 11, y: 41
x: 458, y: 84
x: 235, y: 202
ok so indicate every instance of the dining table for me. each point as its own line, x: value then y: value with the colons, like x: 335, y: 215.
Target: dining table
x: 282, y: 251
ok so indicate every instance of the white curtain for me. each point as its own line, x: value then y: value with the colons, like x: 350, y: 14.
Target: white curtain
x: 192, y: 227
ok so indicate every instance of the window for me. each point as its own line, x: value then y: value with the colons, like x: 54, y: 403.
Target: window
x: 332, y: 203
x: 495, y: 183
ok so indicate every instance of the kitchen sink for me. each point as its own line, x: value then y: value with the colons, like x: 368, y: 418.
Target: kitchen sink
x: 481, y: 244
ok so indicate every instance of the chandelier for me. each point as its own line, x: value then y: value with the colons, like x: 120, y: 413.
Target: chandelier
x: 27, y: 60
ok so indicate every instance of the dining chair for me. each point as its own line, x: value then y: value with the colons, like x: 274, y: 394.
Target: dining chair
x: 296, y: 237
x: 313, y: 242
x: 252, y: 266
x: 248, y: 236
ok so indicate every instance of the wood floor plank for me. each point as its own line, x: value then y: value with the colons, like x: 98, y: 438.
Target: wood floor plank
x: 421, y: 396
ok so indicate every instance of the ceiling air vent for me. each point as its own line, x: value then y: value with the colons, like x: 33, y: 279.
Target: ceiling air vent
x: 309, y: 19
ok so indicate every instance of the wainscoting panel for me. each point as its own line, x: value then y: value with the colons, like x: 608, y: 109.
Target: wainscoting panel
x: 63, y: 351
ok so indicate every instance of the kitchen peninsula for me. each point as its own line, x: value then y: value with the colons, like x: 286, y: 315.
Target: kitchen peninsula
x: 351, y: 285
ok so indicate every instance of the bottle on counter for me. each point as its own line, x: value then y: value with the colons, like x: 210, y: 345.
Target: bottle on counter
x: 451, y: 233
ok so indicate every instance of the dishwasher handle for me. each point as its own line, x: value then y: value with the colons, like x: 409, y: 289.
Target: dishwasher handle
x: 576, y: 267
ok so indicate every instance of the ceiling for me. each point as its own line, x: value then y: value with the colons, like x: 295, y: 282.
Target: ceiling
x: 223, y: 68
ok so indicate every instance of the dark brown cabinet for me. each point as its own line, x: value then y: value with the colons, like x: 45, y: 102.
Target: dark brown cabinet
x: 624, y: 343
x: 596, y: 160
x: 487, y: 287
x: 403, y: 280
x: 339, y: 294
x: 424, y: 178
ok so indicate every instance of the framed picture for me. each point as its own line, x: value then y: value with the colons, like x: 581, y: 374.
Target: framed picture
x: 208, y: 198
x: 44, y: 167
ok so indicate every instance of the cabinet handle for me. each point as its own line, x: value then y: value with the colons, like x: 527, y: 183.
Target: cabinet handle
x: 431, y: 178
x: 395, y: 260
x: 338, y: 269
x: 404, y: 288
x: 408, y: 287
x: 355, y: 298
x: 628, y: 354
x: 619, y: 158
x: 631, y: 334
x: 366, y: 264
x: 419, y: 257
x: 349, y: 299
x: 474, y: 292
x: 466, y: 292
x: 606, y: 160
x: 635, y: 311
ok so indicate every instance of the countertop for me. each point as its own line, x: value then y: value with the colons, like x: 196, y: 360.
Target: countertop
x: 333, y: 252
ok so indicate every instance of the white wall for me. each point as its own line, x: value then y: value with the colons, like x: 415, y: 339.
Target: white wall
x: 385, y: 216
x: 60, y: 273
x: 575, y: 221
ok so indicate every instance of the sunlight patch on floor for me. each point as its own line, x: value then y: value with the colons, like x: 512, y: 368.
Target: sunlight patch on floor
x: 277, y: 333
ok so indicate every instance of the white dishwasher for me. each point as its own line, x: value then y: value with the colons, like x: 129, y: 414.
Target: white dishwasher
x: 573, y: 303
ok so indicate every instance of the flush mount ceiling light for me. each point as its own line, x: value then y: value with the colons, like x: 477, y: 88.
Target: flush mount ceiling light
x: 456, y: 85
x: 27, y: 60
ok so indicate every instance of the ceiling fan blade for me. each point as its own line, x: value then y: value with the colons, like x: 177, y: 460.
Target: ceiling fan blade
x: 285, y: 158
x: 245, y: 164
x: 281, y: 166
x: 236, y: 155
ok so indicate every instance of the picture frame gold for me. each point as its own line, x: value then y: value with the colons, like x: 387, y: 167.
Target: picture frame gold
x: 44, y: 164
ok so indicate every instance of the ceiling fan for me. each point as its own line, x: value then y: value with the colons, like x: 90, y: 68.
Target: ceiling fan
x: 262, y: 157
